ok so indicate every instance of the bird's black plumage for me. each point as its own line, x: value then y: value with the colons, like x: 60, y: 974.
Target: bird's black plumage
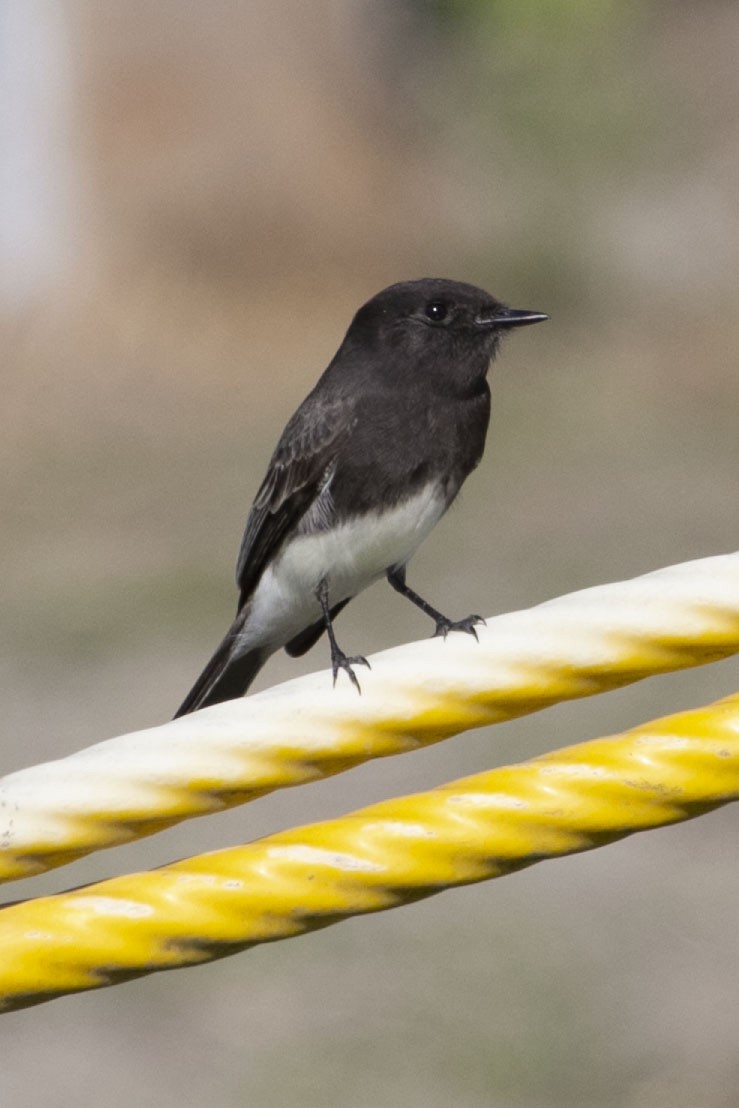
x: 364, y: 468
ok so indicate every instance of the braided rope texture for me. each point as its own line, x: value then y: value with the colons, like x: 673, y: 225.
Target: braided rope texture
x: 577, y: 645
x: 392, y: 853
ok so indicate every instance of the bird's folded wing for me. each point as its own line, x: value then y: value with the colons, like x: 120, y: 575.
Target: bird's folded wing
x: 297, y: 474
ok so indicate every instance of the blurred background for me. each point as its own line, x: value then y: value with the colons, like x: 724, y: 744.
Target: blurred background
x: 194, y: 199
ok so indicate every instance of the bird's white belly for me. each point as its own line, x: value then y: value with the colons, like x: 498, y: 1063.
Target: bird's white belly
x: 351, y: 556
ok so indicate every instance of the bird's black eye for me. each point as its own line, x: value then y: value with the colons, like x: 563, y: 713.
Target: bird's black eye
x: 436, y: 311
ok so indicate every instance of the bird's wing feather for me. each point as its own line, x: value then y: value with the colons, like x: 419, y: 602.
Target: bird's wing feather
x: 296, y: 476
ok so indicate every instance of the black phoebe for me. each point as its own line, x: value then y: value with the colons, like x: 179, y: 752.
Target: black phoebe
x: 365, y: 468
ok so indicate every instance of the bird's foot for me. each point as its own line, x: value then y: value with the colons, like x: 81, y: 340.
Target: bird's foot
x: 444, y: 625
x: 339, y: 661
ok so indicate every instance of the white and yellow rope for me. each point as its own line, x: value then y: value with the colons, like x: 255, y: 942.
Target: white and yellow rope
x: 390, y: 854
x: 574, y: 646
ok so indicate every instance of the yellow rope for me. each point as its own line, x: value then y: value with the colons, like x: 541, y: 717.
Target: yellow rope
x: 574, y: 646
x: 392, y: 853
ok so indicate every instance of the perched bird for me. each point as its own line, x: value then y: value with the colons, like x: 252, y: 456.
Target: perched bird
x: 366, y: 467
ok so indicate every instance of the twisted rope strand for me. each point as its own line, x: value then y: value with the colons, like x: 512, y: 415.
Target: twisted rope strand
x: 389, y: 854
x: 574, y: 646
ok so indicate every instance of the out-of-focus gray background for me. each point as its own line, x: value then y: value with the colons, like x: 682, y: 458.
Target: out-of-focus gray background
x: 193, y: 201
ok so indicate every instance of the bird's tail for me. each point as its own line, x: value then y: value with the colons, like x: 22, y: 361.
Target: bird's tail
x: 227, y: 675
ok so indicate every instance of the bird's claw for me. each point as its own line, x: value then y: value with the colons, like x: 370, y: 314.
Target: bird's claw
x: 444, y: 626
x: 340, y: 661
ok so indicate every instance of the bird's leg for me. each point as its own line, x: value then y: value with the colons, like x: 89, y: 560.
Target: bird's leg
x: 339, y: 659
x: 396, y: 577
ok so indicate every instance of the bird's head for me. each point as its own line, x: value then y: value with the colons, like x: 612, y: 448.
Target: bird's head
x: 444, y: 331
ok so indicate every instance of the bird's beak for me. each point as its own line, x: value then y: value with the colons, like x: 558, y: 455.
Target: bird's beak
x: 511, y: 317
